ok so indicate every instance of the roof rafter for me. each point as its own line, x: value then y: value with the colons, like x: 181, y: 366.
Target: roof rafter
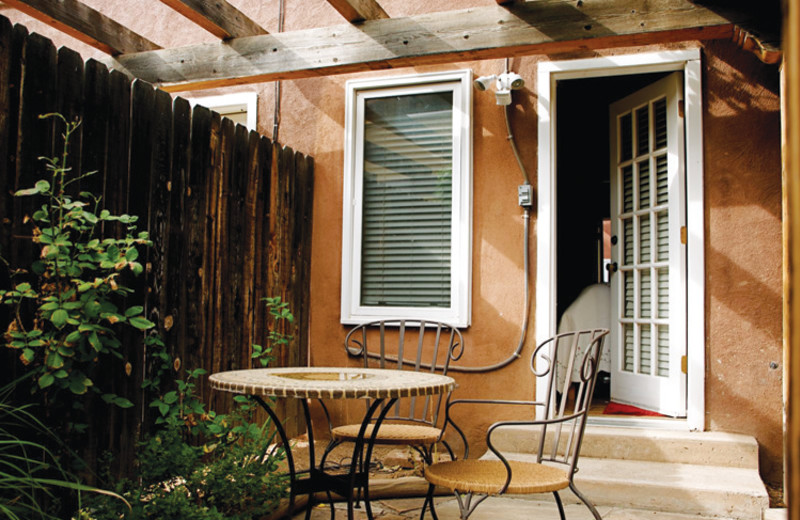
x: 85, y: 24
x: 218, y: 17
x: 359, y: 10
x: 544, y: 26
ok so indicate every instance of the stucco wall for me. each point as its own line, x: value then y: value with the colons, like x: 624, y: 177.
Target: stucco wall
x: 742, y: 208
x: 743, y: 249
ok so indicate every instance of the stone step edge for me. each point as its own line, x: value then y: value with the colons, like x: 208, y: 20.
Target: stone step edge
x: 668, y: 487
x: 612, y: 442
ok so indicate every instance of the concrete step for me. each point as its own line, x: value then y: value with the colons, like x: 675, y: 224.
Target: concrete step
x: 701, y: 448
x: 712, y: 474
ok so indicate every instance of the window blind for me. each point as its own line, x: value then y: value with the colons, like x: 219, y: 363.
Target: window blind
x: 407, y: 201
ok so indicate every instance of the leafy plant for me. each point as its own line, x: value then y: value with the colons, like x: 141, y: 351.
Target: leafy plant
x: 76, y: 287
x: 200, y: 464
x: 29, y: 471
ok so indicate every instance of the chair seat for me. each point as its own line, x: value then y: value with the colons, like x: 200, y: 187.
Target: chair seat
x: 488, y: 476
x: 407, y: 434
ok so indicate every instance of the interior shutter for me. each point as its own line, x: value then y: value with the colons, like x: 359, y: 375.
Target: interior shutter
x: 407, y: 201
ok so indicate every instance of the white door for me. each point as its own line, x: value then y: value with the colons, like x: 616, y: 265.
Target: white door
x: 648, y: 287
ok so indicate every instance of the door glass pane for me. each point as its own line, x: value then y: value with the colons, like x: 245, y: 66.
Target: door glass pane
x: 627, y: 238
x: 627, y: 189
x: 663, y: 236
x: 660, y: 126
x: 625, y: 138
x: 642, y: 130
x: 644, y: 184
x: 663, y: 351
x: 627, y: 302
x: 662, y: 186
x: 645, y: 346
x: 644, y: 238
x: 646, y: 294
x: 628, y: 347
x: 663, y: 293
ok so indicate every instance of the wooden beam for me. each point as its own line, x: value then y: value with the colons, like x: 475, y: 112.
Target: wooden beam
x: 541, y: 27
x: 85, y: 24
x: 217, y: 17
x: 790, y: 95
x: 359, y: 10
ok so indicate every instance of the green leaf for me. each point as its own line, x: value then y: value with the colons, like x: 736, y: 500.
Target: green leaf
x: 131, y: 254
x: 163, y: 408
x: 49, y: 306
x: 28, y: 355
x: 46, y: 380
x: 136, y: 267
x: 141, y: 323
x: 54, y: 360
x: 60, y: 374
x: 171, y: 397
x: 79, y: 386
x: 134, y: 311
x: 122, y: 402
x: 38, y: 267
x: 73, y: 337
x: 95, y: 342
x: 23, y: 287
x: 59, y: 318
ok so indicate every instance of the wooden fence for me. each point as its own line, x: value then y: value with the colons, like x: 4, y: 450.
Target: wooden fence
x: 228, y: 211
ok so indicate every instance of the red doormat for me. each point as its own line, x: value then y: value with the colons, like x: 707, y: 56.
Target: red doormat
x: 626, y: 409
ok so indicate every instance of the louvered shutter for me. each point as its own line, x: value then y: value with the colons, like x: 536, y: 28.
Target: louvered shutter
x: 407, y: 201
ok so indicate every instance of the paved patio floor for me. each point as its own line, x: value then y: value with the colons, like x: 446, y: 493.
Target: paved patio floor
x: 502, y: 509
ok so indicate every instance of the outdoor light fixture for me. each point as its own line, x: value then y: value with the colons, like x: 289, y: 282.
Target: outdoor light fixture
x: 483, y: 82
x: 504, y: 84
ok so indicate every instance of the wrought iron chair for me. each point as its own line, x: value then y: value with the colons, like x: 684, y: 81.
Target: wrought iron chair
x: 560, y: 430
x: 403, y: 345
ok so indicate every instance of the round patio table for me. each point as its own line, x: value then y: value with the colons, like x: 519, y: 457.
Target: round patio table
x: 382, y: 386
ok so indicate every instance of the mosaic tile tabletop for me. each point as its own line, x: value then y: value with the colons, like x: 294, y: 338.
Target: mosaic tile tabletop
x: 331, y: 382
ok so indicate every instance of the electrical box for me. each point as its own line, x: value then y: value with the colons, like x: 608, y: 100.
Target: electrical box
x: 525, y: 195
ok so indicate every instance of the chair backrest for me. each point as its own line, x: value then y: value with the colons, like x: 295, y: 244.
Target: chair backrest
x: 408, y: 345
x: 565, y: 412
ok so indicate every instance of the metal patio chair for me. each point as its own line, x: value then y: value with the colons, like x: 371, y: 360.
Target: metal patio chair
x: 404, y: 345
x: 560, y: 429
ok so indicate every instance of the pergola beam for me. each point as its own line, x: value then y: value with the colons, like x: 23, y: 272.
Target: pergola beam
x: 85, y: 24
x: 359, y: 10
x: 218, y: 17
x: 541, y: 27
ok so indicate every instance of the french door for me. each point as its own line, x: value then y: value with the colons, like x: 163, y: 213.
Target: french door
x: 648, y: 282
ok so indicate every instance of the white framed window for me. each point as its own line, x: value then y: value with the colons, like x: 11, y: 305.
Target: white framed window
x: 241, y: 107
x: 407, y: 226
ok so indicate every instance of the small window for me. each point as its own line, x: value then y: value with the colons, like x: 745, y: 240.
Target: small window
x: 407, y: 199
x: 239, y: 107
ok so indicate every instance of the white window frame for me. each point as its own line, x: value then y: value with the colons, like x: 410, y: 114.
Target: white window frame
x: 549, y: 73
x: 459, y: 312
x: 234, y: 103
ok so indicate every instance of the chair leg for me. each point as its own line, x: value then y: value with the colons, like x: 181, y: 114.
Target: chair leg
x: 429, y: 500
x: 560, y: 505
x: 586, y: 501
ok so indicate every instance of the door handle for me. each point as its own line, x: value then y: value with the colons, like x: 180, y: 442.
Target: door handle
x: 612, y: 267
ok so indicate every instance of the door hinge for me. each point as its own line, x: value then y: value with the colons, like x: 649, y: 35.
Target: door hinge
x: 681, y: 108
x: 684, y: 365
x: 683, y: 235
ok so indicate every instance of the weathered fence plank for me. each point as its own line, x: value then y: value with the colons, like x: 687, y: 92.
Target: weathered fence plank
x: 228, y: 212
x: 70, y: 101
x: 95, y: 126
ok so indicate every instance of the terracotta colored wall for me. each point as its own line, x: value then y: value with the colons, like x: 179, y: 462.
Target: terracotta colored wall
x: 743, y: 250
x: 742, y: 197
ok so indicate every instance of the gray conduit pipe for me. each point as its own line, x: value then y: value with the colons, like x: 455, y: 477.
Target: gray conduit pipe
x: 526, y: 267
